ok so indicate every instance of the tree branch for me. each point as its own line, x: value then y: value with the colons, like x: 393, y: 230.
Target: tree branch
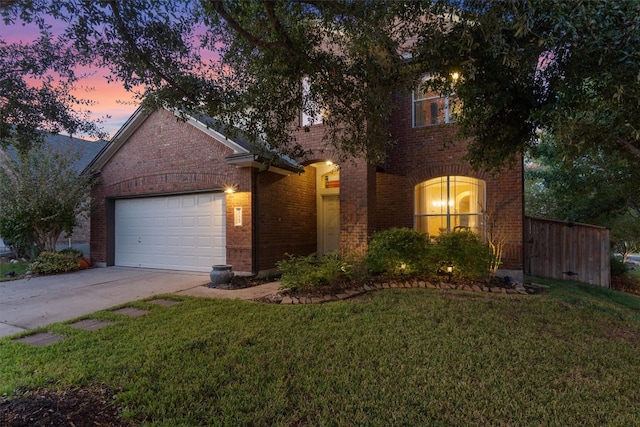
x: 122, y: 29
x: 218, y: 6
x: 284, y: 42
x: 629, y: 147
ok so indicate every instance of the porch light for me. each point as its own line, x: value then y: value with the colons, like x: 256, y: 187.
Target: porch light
x: 329, y: 163
x: 230, y: 189
x: 455, y: 76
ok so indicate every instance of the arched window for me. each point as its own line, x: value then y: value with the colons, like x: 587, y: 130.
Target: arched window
x: 450, y: 203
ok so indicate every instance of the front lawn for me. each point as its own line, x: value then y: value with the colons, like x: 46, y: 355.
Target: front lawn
x: 12, y: 270
x: 569, y: 356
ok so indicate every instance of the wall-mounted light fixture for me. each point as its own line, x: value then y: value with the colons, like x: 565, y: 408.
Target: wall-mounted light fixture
x: 230, y: 188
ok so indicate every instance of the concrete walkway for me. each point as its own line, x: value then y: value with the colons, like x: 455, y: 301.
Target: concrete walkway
x: 29, y: 303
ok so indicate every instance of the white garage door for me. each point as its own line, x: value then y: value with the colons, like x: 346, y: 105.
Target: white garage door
x: 184, y: 232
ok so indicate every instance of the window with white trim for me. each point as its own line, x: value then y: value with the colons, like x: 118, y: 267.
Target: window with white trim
x: 450, y: 203
x: 308, y: 106
x: 431, y: 108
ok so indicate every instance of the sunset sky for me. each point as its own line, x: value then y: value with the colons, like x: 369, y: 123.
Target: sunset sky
x: 110, y: 98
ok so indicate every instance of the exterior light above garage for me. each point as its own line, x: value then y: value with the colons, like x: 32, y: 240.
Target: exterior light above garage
x: 230, y: 189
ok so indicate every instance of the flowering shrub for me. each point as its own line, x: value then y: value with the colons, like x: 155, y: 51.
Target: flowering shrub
x: 54, y: 262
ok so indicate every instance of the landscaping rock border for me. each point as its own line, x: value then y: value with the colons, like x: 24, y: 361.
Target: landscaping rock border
x: 288, y: 298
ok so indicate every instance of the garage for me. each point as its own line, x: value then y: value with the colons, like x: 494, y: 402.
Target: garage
x: 183, y: 232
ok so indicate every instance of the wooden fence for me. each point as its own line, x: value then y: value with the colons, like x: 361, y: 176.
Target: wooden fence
x: 568, y: 251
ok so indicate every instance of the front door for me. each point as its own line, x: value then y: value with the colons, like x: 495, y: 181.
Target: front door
x: 330, y: 223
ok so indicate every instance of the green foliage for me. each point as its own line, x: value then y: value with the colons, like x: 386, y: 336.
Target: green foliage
x: 305, y: 273
x: 571, y: 68
x: 75, y: 253
x: 465, y: 252
x: 598, y: 187
x: 42, y: 196
x: 591, y: 188
x: 19, y: 268
x: 54, y: 262
x: 398, y: 251
x: 618, y: 268
x: 625, y: 233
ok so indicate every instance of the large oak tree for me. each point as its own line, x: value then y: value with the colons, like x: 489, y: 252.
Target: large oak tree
x: 572, y: 68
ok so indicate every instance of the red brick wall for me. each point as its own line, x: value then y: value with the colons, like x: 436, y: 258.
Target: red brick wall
x: 394, y: 202
x: 240, y: 237
x: 287, y: 216
x: 165, y: 155
x: 357, y: 205
x: 371, y: 201
x: 433, y: 151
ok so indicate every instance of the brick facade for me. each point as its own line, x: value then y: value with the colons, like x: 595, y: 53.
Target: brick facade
x: 434, y: 151
x: 167, y: 156
x: 373, y: 199
x: 280, y: 212
x: 287, y: 216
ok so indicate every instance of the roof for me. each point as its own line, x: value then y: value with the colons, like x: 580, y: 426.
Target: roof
x: 242, y: 156
x: 86, y: 150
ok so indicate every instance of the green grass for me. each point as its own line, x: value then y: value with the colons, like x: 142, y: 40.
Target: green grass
x: 635, y: 273
x: 19, y: 268
x: 410, y: 357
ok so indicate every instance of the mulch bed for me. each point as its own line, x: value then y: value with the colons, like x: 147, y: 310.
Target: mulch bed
x: 240, y: 282
x: 624, y: 283
x: 79, y: 407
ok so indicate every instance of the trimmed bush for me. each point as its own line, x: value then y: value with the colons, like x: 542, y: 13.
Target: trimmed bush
x: 465, y: 252
x: 54, y: 262
x: 305, y: 273
x: 398, y: 251
x: 76, y: 253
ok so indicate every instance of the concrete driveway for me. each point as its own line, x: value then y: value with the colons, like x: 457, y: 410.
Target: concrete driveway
x: 30, y: 303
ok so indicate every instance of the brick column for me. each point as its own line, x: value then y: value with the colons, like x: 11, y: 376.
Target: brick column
x: 357, y: 205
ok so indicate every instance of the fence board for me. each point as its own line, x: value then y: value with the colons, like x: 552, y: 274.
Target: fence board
x: 567, y: 251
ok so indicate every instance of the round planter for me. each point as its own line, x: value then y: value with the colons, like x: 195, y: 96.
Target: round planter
x: 220, y: 274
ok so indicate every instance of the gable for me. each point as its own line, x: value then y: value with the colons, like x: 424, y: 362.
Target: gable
x: 138, y: 120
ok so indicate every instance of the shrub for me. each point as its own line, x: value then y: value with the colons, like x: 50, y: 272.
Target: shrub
x: 305, y: 273
x: 465, y: 252
x: 54, y: 262
x: 76, y: 253
x: 398, y: 251
x: 617, y: 266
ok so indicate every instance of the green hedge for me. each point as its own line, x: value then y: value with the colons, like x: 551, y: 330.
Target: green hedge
x: 465, y: 252
x: 399, y: 251
x: 54, y: 262
x: 305, y: 273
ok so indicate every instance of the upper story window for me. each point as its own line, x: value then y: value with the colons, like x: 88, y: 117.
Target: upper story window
x: 431, y: 108
x: 310, y: 114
